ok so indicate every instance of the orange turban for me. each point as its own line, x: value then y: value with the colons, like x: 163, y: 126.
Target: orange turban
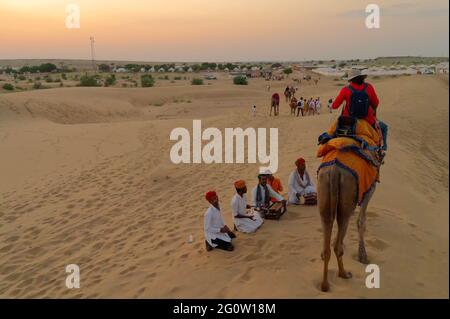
x: 299, y: 161
x: 210, y: 195
x: 239, y: 184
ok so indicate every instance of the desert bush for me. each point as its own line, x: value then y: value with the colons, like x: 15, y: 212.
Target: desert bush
x: 110, y: 80
x: 177, y: 78
x: 8, y: 87
x: 147, y: 80
x: 37, y: 85
x: 48, y: 79
x: 240, y: 80
x: 87, y: 80
x: 22, y: 77
x: 64, y: 76
x: 287, y: 71
x: 197, y: 81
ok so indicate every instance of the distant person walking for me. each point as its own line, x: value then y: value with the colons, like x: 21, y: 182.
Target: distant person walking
x: 318, y: 106
x: 330, y: 105
x: 300, y: 106
x: 312, y: 106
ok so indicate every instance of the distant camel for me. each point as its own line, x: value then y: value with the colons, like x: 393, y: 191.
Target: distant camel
x: 287, y: 95
x: 275, y: 104
x: 337, y: 192
x: 293, y: 105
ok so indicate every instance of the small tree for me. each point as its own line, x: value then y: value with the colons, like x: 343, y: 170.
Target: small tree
x: 104, y: 67
x: 287, y: 71
x: 240, y: 80
x: 110, y: 80
x: 37, y: 85
x: 8, y: 87
x: 147, y: 80
x: 87, y: 80
x: 197, y: 81
x: 47, y: 67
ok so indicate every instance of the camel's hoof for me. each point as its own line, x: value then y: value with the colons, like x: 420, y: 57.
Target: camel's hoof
x: 346, y: 275
x: 325, y: 287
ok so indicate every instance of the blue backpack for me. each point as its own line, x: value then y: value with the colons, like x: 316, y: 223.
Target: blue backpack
x: 359, y: 103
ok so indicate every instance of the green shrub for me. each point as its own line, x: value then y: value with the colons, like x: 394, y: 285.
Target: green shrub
x: 110, y: 80
x: 22, y: 77
x: 240, y: 80
x: 197, y: 81
x: 87, y: 80
x: 8, y: 86
x: 48, y: 79
x: 177, y: 78
x: 147, y: 80
x: 64, y: 76
x: 287, y: 71
x: 37, y: 85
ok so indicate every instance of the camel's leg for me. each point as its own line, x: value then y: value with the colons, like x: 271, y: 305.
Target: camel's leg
x: 346, y: 207
x: 327, y: 198
x: 362, y: 255
x: 327, y: 227
x: 343, y: 218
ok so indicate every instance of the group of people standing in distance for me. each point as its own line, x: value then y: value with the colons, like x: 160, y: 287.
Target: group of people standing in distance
x: 248, y: 218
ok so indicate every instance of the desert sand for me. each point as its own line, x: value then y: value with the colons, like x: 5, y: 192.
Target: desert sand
x: 86, y: 179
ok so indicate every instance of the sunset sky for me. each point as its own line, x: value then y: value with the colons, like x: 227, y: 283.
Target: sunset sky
x: 223, y: 30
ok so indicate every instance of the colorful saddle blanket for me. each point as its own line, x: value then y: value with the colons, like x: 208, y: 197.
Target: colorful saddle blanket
x: 357, y: 153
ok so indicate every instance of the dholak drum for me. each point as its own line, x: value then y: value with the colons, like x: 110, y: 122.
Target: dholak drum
x: 275, y: 211
x: 310, y: 199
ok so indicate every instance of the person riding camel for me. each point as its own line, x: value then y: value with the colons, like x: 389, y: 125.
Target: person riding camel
x: 361, y: 102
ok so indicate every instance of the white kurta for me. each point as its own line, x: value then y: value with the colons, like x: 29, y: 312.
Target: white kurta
x: 212, y: 224
x: 263, y: 195
x: 298, y: 185
x: 239, y: 207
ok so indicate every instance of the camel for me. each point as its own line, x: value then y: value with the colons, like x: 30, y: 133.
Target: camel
x: 337, y: 193
x: 274, y: 105
x: 287, y: 95
x: 293, y: 105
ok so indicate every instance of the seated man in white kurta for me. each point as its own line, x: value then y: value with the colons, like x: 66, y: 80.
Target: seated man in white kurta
x: 262, y: 194
x: 244, y: 220
x: 217, y: 234
x: 301, y: 185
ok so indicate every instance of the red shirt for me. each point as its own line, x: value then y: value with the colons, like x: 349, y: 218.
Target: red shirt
x: 345, y: 94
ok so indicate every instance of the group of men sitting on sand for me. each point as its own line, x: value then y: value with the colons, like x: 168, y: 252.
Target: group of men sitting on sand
x: 248, y: 218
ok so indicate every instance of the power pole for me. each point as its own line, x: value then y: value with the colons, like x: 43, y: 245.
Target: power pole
x: 94, y: 67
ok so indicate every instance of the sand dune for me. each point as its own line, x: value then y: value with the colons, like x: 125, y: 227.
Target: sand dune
x: 87, y: 179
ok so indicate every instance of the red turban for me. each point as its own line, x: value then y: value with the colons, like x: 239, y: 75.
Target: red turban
x: 210, y: 195
x: 300, y: 161
x: 239, y: 184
